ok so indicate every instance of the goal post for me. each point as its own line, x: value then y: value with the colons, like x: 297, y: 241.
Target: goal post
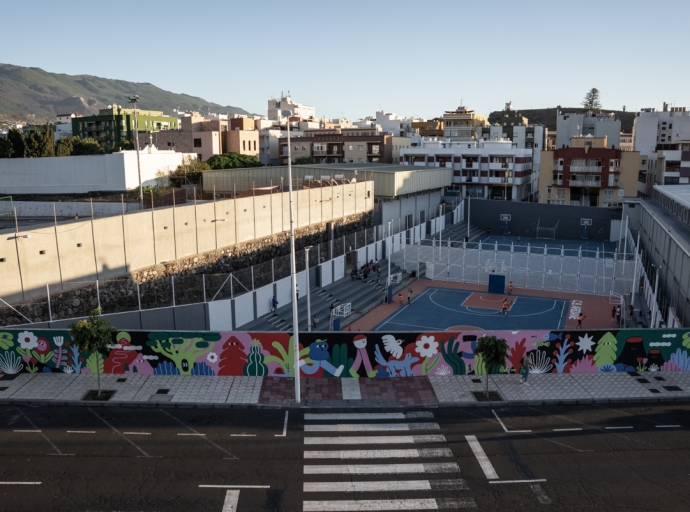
x: 547, y: 233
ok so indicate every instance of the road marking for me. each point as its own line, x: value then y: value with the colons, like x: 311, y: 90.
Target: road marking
x: 137, y: 433
x: 667, y: 426
x: 382, y: 469
x: 81, y: 431
x: 20, y: 483
x: 506, y: 428
x: 368, y: 416
x: 397, y: 504
x: 379, y: 454
x: 36, y: 429
x: 231, y: 499
x: 540, y: 494
x: 517, y: 481
x: 242, y: 435
x: 386, y: 486
x: 566, y: 429
x: 195, y: 432
x: 483, y: 460
x: 617, y: 428
x: 376, y: 440
x: 371, y: 427
x: 236, y: 486
x: 32, y: 431
x: 284, y: 427
x: 120, y: 434
x: 190, y: 434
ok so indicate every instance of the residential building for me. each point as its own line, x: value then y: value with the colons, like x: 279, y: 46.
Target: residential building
x: 345, y: 145
x: 430, y: 128
x: 627, y: 142
x: 551, y: 140
x: 63, y: 126
x: 579, y: 125
x: 115, y: 123
x: 389, y: 122
x: 514, y: 127
x: 663, y: 139
x: 490, y: 169
x: 242, y: 137
x: 276, y: 106
x: 462, y: 124
x: 588, y: 172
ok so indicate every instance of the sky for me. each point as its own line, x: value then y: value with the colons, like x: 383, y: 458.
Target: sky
x: 355, y: 57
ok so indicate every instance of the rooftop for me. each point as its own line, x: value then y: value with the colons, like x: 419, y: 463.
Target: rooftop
x: 679, y: 193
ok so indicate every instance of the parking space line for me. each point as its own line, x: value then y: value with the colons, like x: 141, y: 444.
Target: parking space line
x: 231, y: 456
x: 667, y: 426
x: 28, y: 431
x: 137, y: 433
x: 120, y: 434
x: 231, y: 499
x: 483, y: 460
x: 618, y: 428
x: 567, y: 429
x: 284, y: 434
x: 242, y: 435
x: 517, y: 481
x: 36, y: 429
x: 540, y: 494
x: 20, y: 483
x: 235, y: 486
x: 190, y: 434
x: 506, y: 428
x: 81, y: 431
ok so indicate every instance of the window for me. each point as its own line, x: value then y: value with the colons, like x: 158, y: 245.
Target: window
x: 197, y: 143
x: 560, y: 193
x: 360, y: 148
x: 608, y: 194
x: 169, y: 144
x: 548, y: 191
x: 254, y: 145
x: 244, y: 145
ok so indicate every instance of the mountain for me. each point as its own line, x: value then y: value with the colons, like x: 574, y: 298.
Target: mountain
x: 27, y: 92
x: 547, y: 117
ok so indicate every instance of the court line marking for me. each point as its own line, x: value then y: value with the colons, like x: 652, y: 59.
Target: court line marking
x: 483, y: 460
x: 514, y: 315
x: 399, y: 311
x: 284, y: 434
x: 120, y: 434
x: 36, y: 429
x: 203, y: 437
x: 506, y: 428
x: 517, y: 481
x: 235, y: 486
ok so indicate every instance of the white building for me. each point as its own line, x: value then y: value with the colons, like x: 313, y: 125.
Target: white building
x: 663, y: 140
x: 492, y: 169
x: 63, y: 126
x: 389, y: 123
x: 275, y: 106
x: 580, y: 125
x: 269, y: 142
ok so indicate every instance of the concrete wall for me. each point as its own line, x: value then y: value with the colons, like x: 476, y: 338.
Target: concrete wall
x: 525, y: 216
x: 149, y: 237
x: 70, y: 209
x: 398, y: 209
x: 81, y: 174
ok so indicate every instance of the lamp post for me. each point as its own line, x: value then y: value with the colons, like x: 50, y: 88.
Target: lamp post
x: 134, y: 99
x: 293, y: 268
x: 389, y: 250
x: 440, y: 230
x: 306, y: 266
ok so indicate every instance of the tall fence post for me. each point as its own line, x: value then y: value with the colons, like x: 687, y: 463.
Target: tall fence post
x: 273, y: 271
x: 172, y: 284
x: 231, y: 293
x: 252, y: 267
x: 203, y: 283
x: 50, y: 313
x: 98, y: 294
x: 138, y: 294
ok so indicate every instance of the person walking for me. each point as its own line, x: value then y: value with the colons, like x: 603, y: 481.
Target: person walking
x: 618, y: 315
x: 580, y: 318
x: 613, y: 314
x: 274, y: 303
x: 400, y: 298
x: 409, y: 296
x: 314, y: 321
x: 631, y: 313
x: 525, y: 368
x: 297, y: 290
x: 510, y: 288
x: 504, y: 307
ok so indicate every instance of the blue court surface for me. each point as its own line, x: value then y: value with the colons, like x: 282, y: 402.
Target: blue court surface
x: 553, y: 247
x: 437, y: 309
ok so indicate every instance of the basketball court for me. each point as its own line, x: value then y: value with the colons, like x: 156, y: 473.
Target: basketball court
x: 438, y: 308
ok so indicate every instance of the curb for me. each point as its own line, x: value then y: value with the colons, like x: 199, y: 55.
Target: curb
x: 346, y: 405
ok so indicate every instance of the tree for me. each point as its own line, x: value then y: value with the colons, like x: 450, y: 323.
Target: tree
x: 592, y: 101
x: 304, y: 160
x: 125, y: 144
x: 86, y: 146
x: 494, y: 352
x: 5, y: 148
x: 233, y: 161
x: 16, y: 137
x: 189, y: 171
x: 93, y: 334
x: 64, y: 146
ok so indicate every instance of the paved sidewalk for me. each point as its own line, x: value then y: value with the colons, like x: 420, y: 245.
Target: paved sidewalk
x: 451, y: 390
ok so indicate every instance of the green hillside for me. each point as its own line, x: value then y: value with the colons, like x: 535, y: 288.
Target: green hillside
x: 33, y: 91
x: 547, y: 117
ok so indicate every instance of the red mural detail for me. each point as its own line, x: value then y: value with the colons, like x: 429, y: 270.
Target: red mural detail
x: 516, y: 354
x: 232, y: 358
x: 119, y: 357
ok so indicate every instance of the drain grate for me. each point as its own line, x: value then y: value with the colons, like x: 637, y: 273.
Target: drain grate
x: 162, y: 391
x: 660, y: 379
x: 643, y: 381
x: 4, y: 388
x: 652, y: 390
x: 633, y: 374
x: 122, y: 380
x: 477, y: 381
x: 672, y: 388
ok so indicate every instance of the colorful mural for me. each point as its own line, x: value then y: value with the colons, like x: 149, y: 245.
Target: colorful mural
x: 345, y: 354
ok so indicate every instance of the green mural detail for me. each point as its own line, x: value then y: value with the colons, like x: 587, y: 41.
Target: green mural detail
x: 182, y: 352
x: 606, y: 351
x: 255, y: 366
x: 92, y: 360
x: 286, y: 359
x: 449, y: 351
x: 6, y: 340
x: 339, y: 357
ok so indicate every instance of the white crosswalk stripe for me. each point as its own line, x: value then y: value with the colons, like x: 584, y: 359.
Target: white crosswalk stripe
x: 445, y: 487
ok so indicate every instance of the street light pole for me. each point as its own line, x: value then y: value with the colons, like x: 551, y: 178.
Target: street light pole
x: 134, y: 99
x: 293, y: 268
x: 306, y: 266
x: 389, y: 250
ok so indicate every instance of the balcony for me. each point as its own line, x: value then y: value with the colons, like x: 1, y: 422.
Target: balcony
x: 320, y: 152
x: 615, y: 169
x: 374, y: 153
x: 557, y: 167
x: 557, y: 182
x: 497, y: 166
x: 614, y: 183
x: 585, y: 183
x: 585, y: 168
x: 469, y: 165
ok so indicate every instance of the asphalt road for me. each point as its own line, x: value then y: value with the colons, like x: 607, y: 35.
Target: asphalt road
x: 632, y: 457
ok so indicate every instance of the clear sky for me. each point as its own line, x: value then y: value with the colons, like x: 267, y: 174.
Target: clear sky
x: 352, y: 58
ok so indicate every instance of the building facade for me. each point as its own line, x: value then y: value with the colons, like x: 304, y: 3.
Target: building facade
x: 462, y: 124
x: 580, y: 125
x: 489, y: 169
x: 276, y: 106
x: 588, y: 172
x: 115, y: 123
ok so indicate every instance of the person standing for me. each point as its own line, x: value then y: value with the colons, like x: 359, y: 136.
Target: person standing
x: 400, y: 298
x: 409, y: 296
x: 297, y: 290
x: 274, y: 303
x: 618, y: 314
x: 525, y: 368
x: 580, y: 318
x: 613, y: 314
x: 314, y: 321
x: 510, y: 288
x: 505, y: 307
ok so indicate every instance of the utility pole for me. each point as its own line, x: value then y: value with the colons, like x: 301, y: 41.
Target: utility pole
x: 134, y: 99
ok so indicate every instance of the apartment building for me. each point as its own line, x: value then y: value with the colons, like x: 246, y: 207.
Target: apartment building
x: 276, y: 106
x: 663, y: 140
x: 115, y: 123
x: 627, y: 142
x: 431, y: 128
x: 489, y: 169
x: 588, y: 172
x: 462, y: 123
x: 389, y: 122
x: 345, y: 145
x: 580, y: 125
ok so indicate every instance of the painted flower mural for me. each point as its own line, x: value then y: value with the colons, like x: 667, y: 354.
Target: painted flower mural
x: 27, y: 340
